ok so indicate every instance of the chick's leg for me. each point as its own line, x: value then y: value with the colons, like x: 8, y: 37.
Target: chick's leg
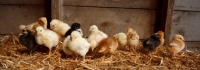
x: 49, y: 51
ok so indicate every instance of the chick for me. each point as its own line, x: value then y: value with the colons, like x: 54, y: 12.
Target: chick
x: 122, y: 39
x: 74, y: 27
x: 176, y: 45
x: 65, y: 47
x: 152, y: 42
x: 132, y: 39
x: 42, y: 22
x: 60, y: 27
x: 29, y: 27
x: 47, y: 38
x: 78, y: 44
x: 95, y: 37
x: 27, y: 39
x: 162, y: 39
x: 105, y: 46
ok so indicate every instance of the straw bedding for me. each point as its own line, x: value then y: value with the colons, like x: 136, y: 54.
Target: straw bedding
x: 15, y: 56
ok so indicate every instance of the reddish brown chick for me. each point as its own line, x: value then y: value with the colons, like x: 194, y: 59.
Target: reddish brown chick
x: 105, y: 46
x: 162, y: 39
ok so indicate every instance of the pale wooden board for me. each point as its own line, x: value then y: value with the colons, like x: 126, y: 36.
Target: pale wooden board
x: 149, y: 4
x: 111, y: 20
x: 25, y: 2
x: 12, y: 16
x: 187, y: 24
x: 191, y: 5
x: 193, y: 46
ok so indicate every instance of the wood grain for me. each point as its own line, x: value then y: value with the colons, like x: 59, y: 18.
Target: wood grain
x: 188, y: 5
x: 12, y: 16
x: 111, y: 20
x: 187, y: 24
x: 25, y: 2
x: 147, y: 4
x: 56, y: 9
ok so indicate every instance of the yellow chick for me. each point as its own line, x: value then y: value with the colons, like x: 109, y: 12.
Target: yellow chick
x: 132, y: 39
x: 122, y: 39
x: 106, y: 46
x: 78, y: 44
x: 47, y: 38
x: 176, y: 45
x: 59, y: 27
x: 65, y: 47
x: 95, y: 37
x: 162, y: 39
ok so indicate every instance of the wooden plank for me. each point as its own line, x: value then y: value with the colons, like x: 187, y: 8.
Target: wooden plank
x: 111, y: 20
x: 187, y: 24
x: 190, y: 5
x: 146, y: 4
x: 12, y: 16
x: 25, y: 2
x: 193, y: 45
x: 56, y: 9
x: 168, y: 22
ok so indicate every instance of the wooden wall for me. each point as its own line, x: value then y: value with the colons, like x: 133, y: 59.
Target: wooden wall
x: 16, y: 12
x: 186, y: 21
x: 112, y: 16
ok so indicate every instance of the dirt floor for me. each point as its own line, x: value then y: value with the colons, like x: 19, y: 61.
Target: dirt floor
x: 15, y: 56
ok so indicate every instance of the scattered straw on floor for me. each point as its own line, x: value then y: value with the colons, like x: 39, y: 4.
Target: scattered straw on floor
x: 15, y: 56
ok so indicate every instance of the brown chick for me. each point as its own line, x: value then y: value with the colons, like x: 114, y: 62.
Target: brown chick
x: 42, y: 22
x: 132, y: 39
x: 162, y: 39
x: 105, y: 46
x: 176, y: 45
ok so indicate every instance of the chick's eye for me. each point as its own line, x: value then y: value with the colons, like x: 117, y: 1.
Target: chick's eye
x: 40, y: 30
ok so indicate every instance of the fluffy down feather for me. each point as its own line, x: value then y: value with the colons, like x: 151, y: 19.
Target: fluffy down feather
x: 65, y: 46
x: 176, y: 45
x: 42, y: 21
x: 58, y: 26
x: 152, y: 42
x: 29, y: 27
x: 27, y: 39
x: 95, y: 37
x: 78, y: 44
x: 132, y: 39
x: 74, y: 27
x: 121, y: 38
x: 105, y: 46
x: 162, y: 39
x: 47, y: 38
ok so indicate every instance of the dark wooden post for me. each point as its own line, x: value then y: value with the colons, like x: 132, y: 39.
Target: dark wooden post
x: 56, y: 9
x: 168, y: 22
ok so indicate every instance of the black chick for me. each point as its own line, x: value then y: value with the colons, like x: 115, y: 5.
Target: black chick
x: 152, y: 42
x: 27, y: 39
x: 74, y: 27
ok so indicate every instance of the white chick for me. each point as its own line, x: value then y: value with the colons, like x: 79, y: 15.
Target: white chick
x: 122, y: 39
x: 65, y: 46
x: 132, y: 39
x: 47, y: 38
x: 59, y: 27
x: 78, y: 44
x: 95, y: 37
